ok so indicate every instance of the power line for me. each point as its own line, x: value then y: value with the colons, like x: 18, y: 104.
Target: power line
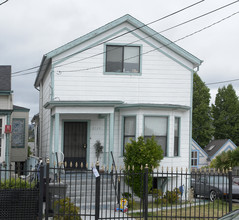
x: 182, y: 38
x: 3, y: 2
x: 226, y: 81
x: 175, y: 26
x: 125, y: 32
x: 147, y: 36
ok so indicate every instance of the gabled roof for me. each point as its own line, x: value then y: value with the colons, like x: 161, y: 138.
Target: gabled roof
x: 20, y: 109
x: 201, y: 150
x: 126, y: 18
x: 214, y: 146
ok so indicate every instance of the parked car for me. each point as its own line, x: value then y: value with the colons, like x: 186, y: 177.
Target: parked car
x: 213, y: 187
x: 234, y: 215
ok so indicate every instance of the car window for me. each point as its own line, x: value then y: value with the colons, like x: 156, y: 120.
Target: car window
x: 218, y: 180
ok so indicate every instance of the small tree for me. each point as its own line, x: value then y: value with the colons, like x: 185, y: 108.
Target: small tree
x: 139, y: 153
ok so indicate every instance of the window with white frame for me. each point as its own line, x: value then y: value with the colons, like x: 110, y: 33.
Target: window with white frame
x: 122, y: 59
x: 176, y: 136
x: 157, y: 127
x: 129, y: 130
x: 194, y: 159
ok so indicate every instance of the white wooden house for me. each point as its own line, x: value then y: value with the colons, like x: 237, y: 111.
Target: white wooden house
x: 120, y: 81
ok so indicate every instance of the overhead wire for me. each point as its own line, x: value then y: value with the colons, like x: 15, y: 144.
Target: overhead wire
x: 150, y: 36
x: 171, y: 42
x: 126, y: 32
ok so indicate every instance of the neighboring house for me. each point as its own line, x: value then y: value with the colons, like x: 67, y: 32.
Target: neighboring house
x: 202, y: 157
x: 13, y: 123
x: 199, y: 157
x: 216, y: 147
x: 121, y: 81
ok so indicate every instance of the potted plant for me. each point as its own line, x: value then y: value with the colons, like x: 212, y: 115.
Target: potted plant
x: 98, y: 149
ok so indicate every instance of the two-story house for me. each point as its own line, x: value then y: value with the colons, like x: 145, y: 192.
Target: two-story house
x: 13, y: 123
x: 120, y: 81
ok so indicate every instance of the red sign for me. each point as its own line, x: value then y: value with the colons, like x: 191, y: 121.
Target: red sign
x: 8, y: 128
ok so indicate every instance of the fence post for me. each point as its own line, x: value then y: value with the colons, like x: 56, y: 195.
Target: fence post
x: 145, y: 195
x: 230, y: 189
x: 47, y: 190
x: 41, y: 187
x: 97, y: 194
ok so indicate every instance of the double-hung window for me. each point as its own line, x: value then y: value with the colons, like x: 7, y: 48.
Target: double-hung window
x: 129, y: 130
x: 194, y: 159
x: 157, y: 127
x: 122, y: 59
x: 176, y: 136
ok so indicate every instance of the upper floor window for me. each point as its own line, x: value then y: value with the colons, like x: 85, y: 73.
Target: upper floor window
x: 157, y: 127
x: 129, y: 129
x: 122, y: 59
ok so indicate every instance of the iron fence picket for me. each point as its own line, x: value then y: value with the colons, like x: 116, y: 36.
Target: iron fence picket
x: 96, y: 198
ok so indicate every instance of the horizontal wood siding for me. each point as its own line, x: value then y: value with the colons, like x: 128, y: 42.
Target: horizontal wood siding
x: 162, y: 80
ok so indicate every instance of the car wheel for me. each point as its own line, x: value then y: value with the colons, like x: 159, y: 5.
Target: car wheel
x: 213, y: 195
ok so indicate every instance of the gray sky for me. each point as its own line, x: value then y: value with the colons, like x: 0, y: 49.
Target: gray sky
x: 31, y: 28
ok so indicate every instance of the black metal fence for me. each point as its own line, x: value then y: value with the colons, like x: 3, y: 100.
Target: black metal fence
x: 48, y: 192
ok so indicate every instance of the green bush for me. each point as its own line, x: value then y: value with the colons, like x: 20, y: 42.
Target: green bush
x: 16, y: 184
x: 139, y: 153
x: 66, y: 210
x: 168, y: 197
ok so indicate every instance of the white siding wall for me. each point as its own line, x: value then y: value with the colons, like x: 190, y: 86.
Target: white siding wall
x: 162, y: 80
x: 6, y: 102
x: 44, y: 116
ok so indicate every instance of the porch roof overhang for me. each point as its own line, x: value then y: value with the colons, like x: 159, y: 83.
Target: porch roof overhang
x: 53, y: 104
x: 152, y: 105
x: 117, y: 105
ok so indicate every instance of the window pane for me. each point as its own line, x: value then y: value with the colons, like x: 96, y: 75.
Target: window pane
x: 129, y: 126
x: 114, y: 59
x: 156, y: 126
x: 131, y: 59
x: 176, y: 136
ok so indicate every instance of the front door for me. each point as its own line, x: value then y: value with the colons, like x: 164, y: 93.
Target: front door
x: 75, y: 143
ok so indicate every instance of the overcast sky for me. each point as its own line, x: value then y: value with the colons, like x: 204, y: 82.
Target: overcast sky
x: 31, y: 28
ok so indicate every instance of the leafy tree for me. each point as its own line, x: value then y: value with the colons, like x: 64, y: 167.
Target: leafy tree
x: 226, y: 114
x: 226, y: 160
x: 202, y: 121
x: 139, y: 153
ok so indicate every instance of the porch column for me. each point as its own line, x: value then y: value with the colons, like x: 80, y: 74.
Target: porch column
x: 111, y: 138
x: 56, y: 136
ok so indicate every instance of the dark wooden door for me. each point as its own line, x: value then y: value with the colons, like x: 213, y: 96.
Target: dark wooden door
x: 75, y: 143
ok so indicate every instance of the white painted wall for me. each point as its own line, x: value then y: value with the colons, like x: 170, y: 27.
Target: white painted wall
x: 162, y: 80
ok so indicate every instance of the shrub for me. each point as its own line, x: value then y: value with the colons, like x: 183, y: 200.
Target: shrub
x: 66, y: 210
x: 139, y: 153
x: 168, y: 197
x: 16, y: 184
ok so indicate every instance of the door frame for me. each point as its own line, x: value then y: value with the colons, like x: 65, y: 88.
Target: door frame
x: 87, y: 138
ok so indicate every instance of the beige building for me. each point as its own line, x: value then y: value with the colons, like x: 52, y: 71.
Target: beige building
x: 13, y: 123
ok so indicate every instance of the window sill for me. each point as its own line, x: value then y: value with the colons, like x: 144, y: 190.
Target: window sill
x: 123, y: 73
